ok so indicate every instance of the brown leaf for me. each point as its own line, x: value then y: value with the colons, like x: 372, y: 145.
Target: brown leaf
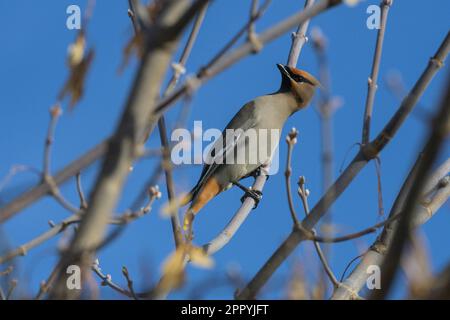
x: 134, y: 47
x: 172, y: 271
x: 200, y: 258
x: 79, y: 64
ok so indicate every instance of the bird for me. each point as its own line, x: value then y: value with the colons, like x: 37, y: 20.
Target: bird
x: 267, y: 113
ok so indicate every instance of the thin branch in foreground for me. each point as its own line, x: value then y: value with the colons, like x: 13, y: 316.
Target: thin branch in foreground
x: 291, y: 140
x: 126, y: 274
x: 55, y: 113
x: 83, y: 202
x: 299, y: 39
x: 439, y: 130
x: 12, y: 286
x: 179, y: 68
x: 372, y: 81
x: 107, y: 280
x: 161, y: 42
x: 304, y: 193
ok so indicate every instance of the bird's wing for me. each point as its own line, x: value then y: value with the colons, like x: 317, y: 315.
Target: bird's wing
x: 244, y: 119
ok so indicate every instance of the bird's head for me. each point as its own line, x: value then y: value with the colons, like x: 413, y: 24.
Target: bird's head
x: 298, y: 82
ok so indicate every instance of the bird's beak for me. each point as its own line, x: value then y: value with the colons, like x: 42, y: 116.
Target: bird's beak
x: 318, y: 84
x: 283, y: 69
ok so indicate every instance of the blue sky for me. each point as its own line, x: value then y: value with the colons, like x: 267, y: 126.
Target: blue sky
x: 32, y: 71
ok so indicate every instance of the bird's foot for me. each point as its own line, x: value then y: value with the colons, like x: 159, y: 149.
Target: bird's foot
x: 256, y: 195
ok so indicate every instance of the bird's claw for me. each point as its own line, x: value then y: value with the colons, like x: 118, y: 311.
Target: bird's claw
x: 256, y: 195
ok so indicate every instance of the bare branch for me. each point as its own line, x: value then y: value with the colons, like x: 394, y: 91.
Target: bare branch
x: 291, y: 140
x: 372, y: 81
x: 304, y: 193
x: 179, y: 68
x: 299, y: 39
x: 127, y: 141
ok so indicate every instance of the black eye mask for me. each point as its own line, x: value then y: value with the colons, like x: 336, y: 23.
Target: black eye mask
x: 299, y: 78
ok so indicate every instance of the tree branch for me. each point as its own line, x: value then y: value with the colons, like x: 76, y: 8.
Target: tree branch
x: 439, y: 130
x: 372, y: 81
x: 357, y: 279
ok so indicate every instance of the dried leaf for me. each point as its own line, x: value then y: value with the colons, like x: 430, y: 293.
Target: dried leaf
x: 200, y: 258
x: 173, y: 271
x: 297, y: 286
x: 135, y: 46
x: 171, y: 207
x: 79, y: 64
x: 417, y: 267
x: 75, y: 52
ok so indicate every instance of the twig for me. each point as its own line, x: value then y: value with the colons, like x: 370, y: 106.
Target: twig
x: 107, y: 280
x: 132, y: 14
x: 126, y: 274
x: 326, y: 106
x: 291, y: 140
x: 55, y: 113
x: 396, y: 86
x: 6, y: 271
x: 299, y: 39
x: 83, y: 202
x: 13, y: 285
x: 355, y: 235
x: 379, y: 186
x: 304, y: 193
x: 204, y: 72
x: 55, y: 229
x: 372, y: 82
x: 360, y: 160
x: 56, y: 194
x: 253, y: 12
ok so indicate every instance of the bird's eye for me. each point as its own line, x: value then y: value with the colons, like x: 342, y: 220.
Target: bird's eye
x: 298, y: 78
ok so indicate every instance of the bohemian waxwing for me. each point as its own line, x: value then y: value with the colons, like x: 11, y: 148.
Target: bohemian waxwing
x: 232, y: 159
